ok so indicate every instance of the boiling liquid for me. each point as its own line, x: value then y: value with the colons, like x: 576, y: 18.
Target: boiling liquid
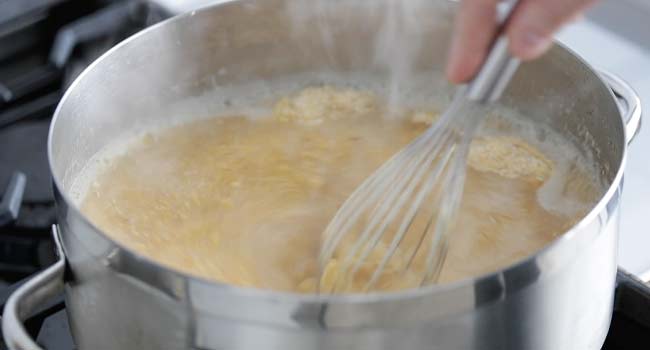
x: 245, y: 201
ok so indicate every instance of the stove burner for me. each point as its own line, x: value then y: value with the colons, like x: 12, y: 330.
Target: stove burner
x: 13, y: 197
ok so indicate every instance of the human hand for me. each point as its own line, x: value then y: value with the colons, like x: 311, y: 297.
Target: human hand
x: 530, y: 31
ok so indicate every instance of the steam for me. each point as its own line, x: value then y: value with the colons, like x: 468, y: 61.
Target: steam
x: 397, y: 43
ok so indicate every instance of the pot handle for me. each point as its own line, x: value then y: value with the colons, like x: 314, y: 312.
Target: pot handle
x: 628, y: 102
x: 30, y: 296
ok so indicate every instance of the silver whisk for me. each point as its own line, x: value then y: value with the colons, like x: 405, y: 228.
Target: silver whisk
x: 421, y: 184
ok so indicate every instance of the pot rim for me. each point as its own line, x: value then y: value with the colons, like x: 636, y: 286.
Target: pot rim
x: 516, y: 268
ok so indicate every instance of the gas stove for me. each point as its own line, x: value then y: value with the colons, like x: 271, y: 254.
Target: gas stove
x: 44, y: 45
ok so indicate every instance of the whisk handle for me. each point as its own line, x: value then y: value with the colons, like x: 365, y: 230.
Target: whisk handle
x: 499, y: 67
x: 494, y: 76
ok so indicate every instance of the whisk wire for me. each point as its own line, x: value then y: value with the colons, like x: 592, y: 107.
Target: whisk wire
x: 446, y: 216
x: 435, y: 160
x: 454, y: 173
x: 380, y: 215
x: 406, y: 223
x: 340, y: 224
x: 388, y: 213
x: 415, y: 162
x: 358, y: 201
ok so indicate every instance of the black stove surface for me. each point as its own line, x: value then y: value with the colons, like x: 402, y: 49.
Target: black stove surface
x: 44, y: 45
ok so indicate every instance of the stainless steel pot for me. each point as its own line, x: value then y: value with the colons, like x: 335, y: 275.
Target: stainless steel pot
x: 559, y: 298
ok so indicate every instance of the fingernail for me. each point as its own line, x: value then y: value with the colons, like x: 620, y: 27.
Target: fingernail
x: 534, y: 44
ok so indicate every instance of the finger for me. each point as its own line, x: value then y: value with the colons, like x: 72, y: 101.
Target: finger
x: 535, y: 21
x: 475, y: 27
